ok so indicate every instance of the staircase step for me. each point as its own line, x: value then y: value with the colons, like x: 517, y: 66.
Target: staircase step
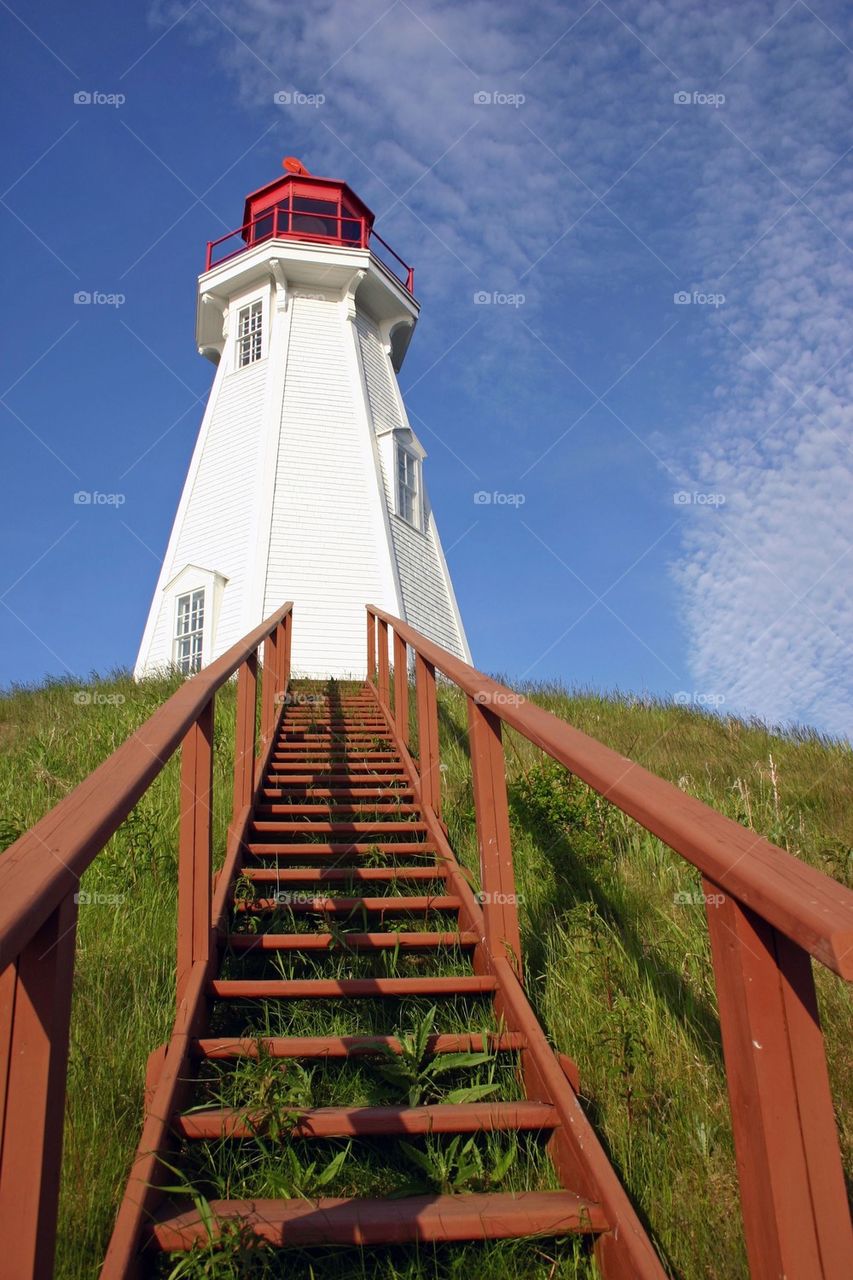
x: 304, y: 905
x: 508, y: 1215
x: 413, y: 940
x: 353, y: 1046
x: 370, y: 1122
x: 298, y: 751
x: 336, y: 793
x: 270, y: 810
x: 336, y: 988
x: 263, y: 849
x: 358, y: 768
x: 341, y: 875
x: 339, y: 828
x: 365, y: 738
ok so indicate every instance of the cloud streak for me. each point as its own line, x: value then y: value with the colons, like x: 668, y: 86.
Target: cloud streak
x: 601, y: 176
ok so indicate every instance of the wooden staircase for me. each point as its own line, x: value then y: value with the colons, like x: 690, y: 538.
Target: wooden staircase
x: 342, y: 939
x: 340, y: 848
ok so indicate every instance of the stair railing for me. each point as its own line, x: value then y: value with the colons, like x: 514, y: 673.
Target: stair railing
x: 40, y: 878
x: 768, y: 915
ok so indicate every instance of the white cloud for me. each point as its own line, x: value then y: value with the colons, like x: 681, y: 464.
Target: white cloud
x: 761, y: 580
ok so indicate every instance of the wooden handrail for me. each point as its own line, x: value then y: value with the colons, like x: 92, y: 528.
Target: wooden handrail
x: 807, y: 906
x: 766, y: 913
x: 39, y: 876
x: 46, y: 863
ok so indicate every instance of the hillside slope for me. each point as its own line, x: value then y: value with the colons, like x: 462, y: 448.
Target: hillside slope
x: 613, y: 929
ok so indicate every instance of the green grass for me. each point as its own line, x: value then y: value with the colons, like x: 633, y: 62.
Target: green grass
x: 616, y: 964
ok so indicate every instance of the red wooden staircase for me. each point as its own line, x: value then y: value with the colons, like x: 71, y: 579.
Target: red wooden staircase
x: 339, y: 806
x: 340, y: 890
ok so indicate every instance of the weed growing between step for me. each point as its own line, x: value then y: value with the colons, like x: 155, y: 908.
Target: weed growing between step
x: 336, y: 1017
x: 240, y: 1256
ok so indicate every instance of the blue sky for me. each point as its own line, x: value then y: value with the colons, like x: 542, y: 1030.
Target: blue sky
x: 683, y: 467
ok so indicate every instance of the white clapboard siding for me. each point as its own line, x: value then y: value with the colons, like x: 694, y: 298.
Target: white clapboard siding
x: 288, y: 496
x: 324, y: 553
x: 427, y: 594
x: 216, y: 521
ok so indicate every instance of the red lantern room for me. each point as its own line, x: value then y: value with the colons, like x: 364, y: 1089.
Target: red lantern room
x: 307, y: 208
x: 300, y: 206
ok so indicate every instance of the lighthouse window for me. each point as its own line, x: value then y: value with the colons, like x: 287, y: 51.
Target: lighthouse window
x: 189, y: 629
x: 249, y: 333
x: 407, y: 486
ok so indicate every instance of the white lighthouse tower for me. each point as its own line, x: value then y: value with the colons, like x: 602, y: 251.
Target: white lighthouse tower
x: 306, y: 482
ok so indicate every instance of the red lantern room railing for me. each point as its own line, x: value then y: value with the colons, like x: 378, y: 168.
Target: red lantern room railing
x: 303, y: 207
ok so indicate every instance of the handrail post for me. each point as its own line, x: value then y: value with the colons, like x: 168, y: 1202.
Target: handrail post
x: 401, y: 687
x: 35, y: 1015
x: 288, y: 650
x: 196, y: 847
x: 371, y: 646
x: 795, y: 1214
x: 429, y: 764
x: 280, y: 645
x: 383, y: 664
x: 268, y: 688
x: 245, y: 737
x: 497, y: 881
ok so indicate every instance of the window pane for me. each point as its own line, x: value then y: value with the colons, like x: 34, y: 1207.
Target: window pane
x: 249, y: 333
x: 407, y: 486
x: 189, y: 632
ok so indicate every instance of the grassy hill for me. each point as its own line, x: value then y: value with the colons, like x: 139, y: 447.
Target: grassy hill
x: 616, y: 952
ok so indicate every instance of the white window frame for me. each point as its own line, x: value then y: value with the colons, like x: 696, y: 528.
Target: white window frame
x: 250, y: 327
x: 188, y: 640
x: 408, y: 494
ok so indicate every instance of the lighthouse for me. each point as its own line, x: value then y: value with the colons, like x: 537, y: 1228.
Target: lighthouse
x: 307, y: 480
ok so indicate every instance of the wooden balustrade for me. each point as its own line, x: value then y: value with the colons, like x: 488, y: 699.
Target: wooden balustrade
x: 39, y: 889
x: 768, y: 915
